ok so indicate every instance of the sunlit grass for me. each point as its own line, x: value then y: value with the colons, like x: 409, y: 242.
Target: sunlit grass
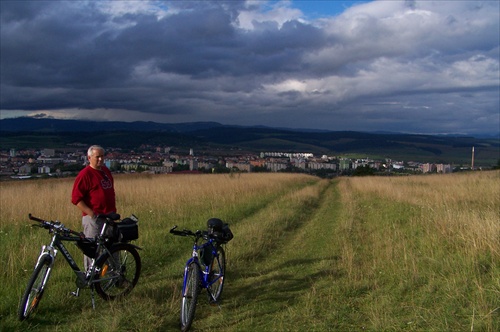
x: 416, y: 253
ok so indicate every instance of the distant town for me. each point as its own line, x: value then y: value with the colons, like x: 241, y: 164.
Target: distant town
x: 31, y: 163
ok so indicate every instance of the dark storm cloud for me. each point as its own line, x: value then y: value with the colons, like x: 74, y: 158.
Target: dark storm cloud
x: 386, y: 65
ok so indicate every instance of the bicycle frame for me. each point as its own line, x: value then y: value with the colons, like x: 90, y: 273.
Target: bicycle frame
x: 204, y: 272
x: 84, y: 278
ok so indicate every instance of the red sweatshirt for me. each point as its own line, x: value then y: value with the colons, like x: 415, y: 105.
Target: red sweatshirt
x: 96, y: 189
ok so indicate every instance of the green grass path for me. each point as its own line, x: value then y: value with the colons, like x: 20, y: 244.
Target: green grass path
x: 284, y: 283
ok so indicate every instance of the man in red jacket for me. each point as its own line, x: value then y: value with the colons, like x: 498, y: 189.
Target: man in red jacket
x: 94, y: 193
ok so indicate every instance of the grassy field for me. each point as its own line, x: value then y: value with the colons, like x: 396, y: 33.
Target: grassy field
x: 417, y: 253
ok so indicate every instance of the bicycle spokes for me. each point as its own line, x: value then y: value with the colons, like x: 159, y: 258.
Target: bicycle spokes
x: 119, y: 272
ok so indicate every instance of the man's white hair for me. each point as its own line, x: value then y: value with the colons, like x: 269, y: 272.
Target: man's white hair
x: 90, y: 151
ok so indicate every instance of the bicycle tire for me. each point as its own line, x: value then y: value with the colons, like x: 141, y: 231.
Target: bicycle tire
x: 119, y: 271
x: 34, y: 291
x: 217, y: 273
x: 190, y: 295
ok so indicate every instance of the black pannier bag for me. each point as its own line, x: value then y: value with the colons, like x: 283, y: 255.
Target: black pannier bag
x: 219, y: 230
x: 88, y: 246
x: 127, y: 229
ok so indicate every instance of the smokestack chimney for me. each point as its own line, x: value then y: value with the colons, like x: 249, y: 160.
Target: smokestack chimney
x: 472, y: 163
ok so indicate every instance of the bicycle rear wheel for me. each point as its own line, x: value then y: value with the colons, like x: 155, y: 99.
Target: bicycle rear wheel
x: 217, y: 274
x: 190, y: 291
x: 34, y: 291
x: 119, y: 271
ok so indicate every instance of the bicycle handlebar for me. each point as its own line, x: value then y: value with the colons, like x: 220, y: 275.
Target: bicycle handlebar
x: 185, y: 232
x: 55, y: 225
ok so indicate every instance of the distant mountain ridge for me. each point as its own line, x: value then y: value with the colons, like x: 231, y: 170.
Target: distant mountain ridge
x: 213, y: 137
x: 29, y: 124
x: 47, y: 125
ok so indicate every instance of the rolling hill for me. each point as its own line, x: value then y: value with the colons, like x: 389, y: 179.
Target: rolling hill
x: 207, y: 137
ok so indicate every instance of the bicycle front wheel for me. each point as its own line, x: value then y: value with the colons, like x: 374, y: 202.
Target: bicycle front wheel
x: 34, y: 290
x: 190, y: 291
x: 119, y: 270
x: 217, y: 275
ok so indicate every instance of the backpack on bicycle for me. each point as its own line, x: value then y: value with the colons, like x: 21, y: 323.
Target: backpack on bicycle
x: 127, y: 229
x: 219, y: 230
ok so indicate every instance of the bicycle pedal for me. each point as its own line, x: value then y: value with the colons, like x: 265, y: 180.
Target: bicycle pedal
x: 76, y: 293
x: 213, y: 303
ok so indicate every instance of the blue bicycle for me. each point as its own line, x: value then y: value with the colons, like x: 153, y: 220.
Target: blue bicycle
x: 205, y: 269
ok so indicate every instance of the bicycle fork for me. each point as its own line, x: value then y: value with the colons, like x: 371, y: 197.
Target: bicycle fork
x: 50, y: 253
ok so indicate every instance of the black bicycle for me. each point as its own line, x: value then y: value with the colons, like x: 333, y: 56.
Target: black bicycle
x: 205, y: 269
x: 115, y: 266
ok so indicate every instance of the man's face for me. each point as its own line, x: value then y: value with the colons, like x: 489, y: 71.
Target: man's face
x: 96, y: 160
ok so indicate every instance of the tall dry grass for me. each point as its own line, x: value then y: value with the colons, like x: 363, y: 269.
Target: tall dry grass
x: 160, y: 201
x: 463, y: 209
x: 430, y: 239
x: 152, y: 197
x: 418, y: 253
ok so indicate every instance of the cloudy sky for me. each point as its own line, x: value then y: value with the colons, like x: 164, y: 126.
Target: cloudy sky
x: 407, y: 66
